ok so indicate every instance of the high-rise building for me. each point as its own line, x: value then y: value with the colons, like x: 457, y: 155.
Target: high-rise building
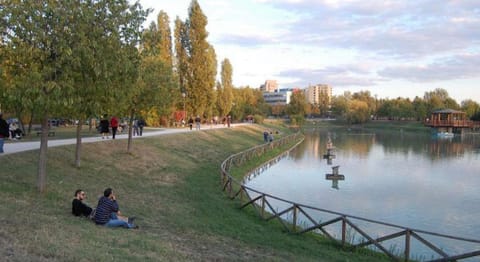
x: 318, y: 93
x: 269, y: 86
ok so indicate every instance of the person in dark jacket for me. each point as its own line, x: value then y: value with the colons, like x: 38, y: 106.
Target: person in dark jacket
x: 107, y: 212
x: 4, y: 132
x: 104, y: 127
x: 79, y: 208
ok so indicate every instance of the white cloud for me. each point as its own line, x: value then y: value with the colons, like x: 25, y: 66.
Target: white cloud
x: 385, y: 46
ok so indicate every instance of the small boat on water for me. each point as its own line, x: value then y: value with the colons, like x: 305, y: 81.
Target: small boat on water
x: 445, y: 134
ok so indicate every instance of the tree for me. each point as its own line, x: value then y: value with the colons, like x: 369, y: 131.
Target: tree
x: 420, y: 108
x: 196, y: 60
x: 224, y: 89
x: 37, y: 39
x: 46, y: 41
x: 470, y: 107
x: 297, y: 105
x: 358, y: 112
x: 340, y: 105
x: 156, y: 48
x: 107, y: 61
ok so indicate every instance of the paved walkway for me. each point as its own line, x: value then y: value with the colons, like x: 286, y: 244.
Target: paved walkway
x: 17, y: 146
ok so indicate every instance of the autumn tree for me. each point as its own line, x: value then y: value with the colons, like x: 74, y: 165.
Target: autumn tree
x: 224, y: 89
x: 196, y: 60
x: 45, y: 41
x: 156, y: 48
x: 470, y: 107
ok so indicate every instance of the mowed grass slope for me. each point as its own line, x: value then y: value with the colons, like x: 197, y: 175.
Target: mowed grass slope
x: 171, y: 182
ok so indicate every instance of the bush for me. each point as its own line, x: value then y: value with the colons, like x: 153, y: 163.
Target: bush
x: 258, y: 119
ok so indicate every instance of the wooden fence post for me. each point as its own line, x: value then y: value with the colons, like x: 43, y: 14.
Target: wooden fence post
x: 407, y: 245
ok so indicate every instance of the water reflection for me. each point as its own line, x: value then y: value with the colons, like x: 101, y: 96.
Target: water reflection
x: 335, y: 176
x: 413, y: 180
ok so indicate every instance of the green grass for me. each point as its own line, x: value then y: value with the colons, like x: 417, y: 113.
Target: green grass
x: 171, y: 182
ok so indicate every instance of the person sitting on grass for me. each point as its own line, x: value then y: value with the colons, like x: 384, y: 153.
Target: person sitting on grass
x: 79, y: 208
x: 107, y: 212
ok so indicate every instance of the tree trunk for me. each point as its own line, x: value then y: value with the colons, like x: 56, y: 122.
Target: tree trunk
x: 130, y: 130
x: 42, y: 159
x: 78, y: 149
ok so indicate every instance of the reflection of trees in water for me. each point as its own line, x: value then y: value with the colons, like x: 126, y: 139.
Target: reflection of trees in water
x: 311, y: 146
x: 355, y: 143
x: 434, y: 148
x: 259, y: 170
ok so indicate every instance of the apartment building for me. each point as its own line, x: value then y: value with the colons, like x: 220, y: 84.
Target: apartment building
x: 315, y: 94
x: 269, y: 86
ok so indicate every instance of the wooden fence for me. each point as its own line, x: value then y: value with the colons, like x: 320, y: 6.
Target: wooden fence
x: 298, y: 218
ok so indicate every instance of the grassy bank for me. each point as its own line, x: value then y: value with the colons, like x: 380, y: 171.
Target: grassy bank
x: 170, y: 182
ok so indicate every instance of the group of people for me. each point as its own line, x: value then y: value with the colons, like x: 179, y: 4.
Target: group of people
x: 115, y: 125
x: 267, y: 136
x: 107, y: 212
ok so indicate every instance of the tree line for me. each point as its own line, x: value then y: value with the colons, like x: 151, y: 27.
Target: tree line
x: 85, y: 59
x: 360, y: 107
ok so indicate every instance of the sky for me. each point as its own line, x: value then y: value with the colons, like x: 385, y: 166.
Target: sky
x: 388, y: 47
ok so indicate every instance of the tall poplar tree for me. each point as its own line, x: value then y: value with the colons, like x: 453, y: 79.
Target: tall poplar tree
x: 196, y: 60
x: 224, y: 90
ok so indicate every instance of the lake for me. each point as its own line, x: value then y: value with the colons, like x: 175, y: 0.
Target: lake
x: 413, y: 180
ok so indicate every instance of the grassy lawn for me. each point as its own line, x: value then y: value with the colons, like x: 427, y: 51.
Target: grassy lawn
x: 171, y: 183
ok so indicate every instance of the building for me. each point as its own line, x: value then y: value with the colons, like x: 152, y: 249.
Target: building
x: 317, y: 93
x: 278, y: 97
x: 269, y: 86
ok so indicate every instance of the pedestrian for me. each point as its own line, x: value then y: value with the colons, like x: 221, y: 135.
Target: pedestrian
x: 135, y: 127
x: 108, y: 212
x: 190, y: 123
x: 197, y: 122
x: 265, y: 136
x: 114, y: 125
x: 141, y: 124
x: 4, y: 132
x: 229, y: 120
x: 104, y: 127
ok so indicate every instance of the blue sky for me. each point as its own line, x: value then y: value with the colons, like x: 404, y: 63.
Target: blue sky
x: 390, y: 48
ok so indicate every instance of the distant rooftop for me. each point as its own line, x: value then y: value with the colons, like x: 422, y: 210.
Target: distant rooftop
x: 447, y: 111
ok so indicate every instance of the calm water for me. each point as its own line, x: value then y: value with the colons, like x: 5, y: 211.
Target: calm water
x: 410, y: 180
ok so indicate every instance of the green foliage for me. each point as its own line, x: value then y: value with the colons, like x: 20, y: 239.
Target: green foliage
x: 357, y: 112
x: 298, y: 104
x: 258, y: 119
x: 224, y: 89
x: 197, y: 65
x: 470, y: 107
x: 69, y: 58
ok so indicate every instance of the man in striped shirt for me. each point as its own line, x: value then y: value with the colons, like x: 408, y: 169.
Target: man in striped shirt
x: 107, y: 212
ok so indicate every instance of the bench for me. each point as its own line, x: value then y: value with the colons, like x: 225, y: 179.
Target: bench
x: 38, y: 131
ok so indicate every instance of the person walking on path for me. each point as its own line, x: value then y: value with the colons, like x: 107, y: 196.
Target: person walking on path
x: 104, y: 125
x: 197, y: 122
x: 135, y: 127
x: 141, y: 124
x: 190, y: 123
x: 114, y: 125
x: 4, y: 132
x: 107, y: 212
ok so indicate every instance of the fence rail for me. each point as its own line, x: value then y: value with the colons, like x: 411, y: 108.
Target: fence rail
x: 292, y: 213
